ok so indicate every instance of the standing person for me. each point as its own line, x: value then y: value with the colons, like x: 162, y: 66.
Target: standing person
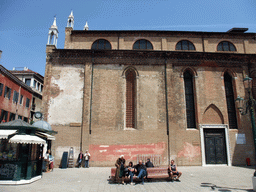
x: 87, y: 157
x: 141, y: 171
x: 80, y: 158
x: 120, y: 165
x: 149, y: 163
x: 48, y: 153
x: 172, y: 169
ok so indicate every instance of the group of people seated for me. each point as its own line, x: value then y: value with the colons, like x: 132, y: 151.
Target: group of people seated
x: 140, y: 170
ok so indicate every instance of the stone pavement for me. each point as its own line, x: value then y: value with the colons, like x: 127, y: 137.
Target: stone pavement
x: 96, y: 179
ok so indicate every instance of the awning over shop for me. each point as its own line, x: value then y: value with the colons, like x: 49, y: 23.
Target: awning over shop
x: 27, y: 139
x: 5, y: 133
x: 49, y: 137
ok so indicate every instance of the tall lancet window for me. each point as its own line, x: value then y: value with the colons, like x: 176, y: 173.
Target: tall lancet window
x: 130, y: 98
x: 190, y: 101
x: 230, y: 101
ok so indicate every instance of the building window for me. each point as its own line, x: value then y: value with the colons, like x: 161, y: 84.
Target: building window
x: 19, y: 117
x: 230, y: 101
x: 143, y: 44
x: 25, y: 119
x: 21, y: 99
x: 4, y: 115
x: 34, y: 84
x: 15, y: 97
x: 28, y: 82
x: 12, y: 117
x: 185, y: 45
x: 190, y: 102
x: 38, y: 86
x: 101, y: 44
x: 27, y: 102
x: 1, y: 89
x: 42, y: 87
x: 130, y: 98
x: 226, y: 46
x: 7, y: 92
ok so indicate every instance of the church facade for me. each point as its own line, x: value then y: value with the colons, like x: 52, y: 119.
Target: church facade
x: 159, y: 94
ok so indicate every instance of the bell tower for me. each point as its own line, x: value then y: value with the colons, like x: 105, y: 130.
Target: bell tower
x: 53, y: 34
x: 71, y: 20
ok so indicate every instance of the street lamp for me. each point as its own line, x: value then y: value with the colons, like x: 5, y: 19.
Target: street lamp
x: 248, y: 105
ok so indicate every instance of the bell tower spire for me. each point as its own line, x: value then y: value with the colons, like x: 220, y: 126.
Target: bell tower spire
x: 53, y: 34
x: 71, y: 20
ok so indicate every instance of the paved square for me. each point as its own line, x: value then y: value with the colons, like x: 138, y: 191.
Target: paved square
x: 96, y: 179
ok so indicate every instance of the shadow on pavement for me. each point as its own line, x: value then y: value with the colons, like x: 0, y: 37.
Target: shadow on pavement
x: 213, y: 186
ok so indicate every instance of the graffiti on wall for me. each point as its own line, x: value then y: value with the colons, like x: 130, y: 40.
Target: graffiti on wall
x: 8, y: 170
x: 111, y: 152
x: 190, y: 151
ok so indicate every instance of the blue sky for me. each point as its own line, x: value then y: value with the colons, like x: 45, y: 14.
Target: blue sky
x: 24, y: 24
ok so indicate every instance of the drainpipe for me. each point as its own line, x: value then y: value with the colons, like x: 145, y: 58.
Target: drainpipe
x: 90, y: 122
x: 167, y: 114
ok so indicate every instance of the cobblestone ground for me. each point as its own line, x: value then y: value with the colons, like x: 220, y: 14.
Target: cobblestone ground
x: 96, y: 179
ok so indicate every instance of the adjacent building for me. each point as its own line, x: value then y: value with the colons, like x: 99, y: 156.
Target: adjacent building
x: 159, y: 94
x: 15, y: 97
x: 36, y: 82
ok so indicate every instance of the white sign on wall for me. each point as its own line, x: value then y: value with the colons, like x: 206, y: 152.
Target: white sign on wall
x: 240, y: 138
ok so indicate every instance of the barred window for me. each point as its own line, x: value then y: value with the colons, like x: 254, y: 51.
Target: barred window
x: 185, y: 45
x: 143, y: 44
x: 130, y: 98
x: 190, y: 102
x: 101, y: 44
x: 230, y: 101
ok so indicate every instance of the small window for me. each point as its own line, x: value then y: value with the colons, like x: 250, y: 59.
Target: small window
x: 28, y: 82
x: 42, y: 87
x: 4, y: 115
x: 15, y: 97
x: 12, y: 117
x: 25, y: 119
x: 21, y: 99
x: 19, y: 117
x: 142, y: 44
x: 1, y: 89
x: 7, y: 92
x: 185, y: 45
x: 34, y: 85
x: 27, y: 102
x: 226, y: 46
x: 38, y: 86
x: 101, y: 44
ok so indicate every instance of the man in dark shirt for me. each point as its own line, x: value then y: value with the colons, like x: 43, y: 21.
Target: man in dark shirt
x: 80, y: 158
x: 149, y: 163
x: 141, y: 171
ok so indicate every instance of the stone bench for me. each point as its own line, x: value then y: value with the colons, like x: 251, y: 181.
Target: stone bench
x: 152, y: 172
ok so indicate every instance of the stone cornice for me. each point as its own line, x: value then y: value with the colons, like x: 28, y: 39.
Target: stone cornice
x: 131, y: 57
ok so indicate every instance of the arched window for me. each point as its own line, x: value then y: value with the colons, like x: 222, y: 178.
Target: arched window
x: 190, y: 102
x: 142, y: 44
x: 130, y: 98
x: 185, y: 45
x: 230, y: 101
x: 101, y: 44
x: 226, y: 46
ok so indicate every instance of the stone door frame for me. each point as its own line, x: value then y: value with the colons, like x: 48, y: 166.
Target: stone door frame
x: 218, y: 126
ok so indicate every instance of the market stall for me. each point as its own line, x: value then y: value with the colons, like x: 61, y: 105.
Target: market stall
x: 21, y: 149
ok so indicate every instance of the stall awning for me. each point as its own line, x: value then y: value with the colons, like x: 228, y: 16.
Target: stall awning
x: 49, y: 137
x: 5, y: 133
x: 27, y: 139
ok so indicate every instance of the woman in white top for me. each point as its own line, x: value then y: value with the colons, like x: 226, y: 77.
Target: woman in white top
x: 86, y: 159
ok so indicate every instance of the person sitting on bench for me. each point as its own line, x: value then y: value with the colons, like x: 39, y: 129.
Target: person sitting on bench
x: 149, y: 163
x: 172, y: 169
x: 141, y: 171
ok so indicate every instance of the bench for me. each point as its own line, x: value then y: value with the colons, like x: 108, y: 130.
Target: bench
x: 152, y: 172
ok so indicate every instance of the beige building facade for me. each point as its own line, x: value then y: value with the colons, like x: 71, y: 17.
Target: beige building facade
x: 159, y: 94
